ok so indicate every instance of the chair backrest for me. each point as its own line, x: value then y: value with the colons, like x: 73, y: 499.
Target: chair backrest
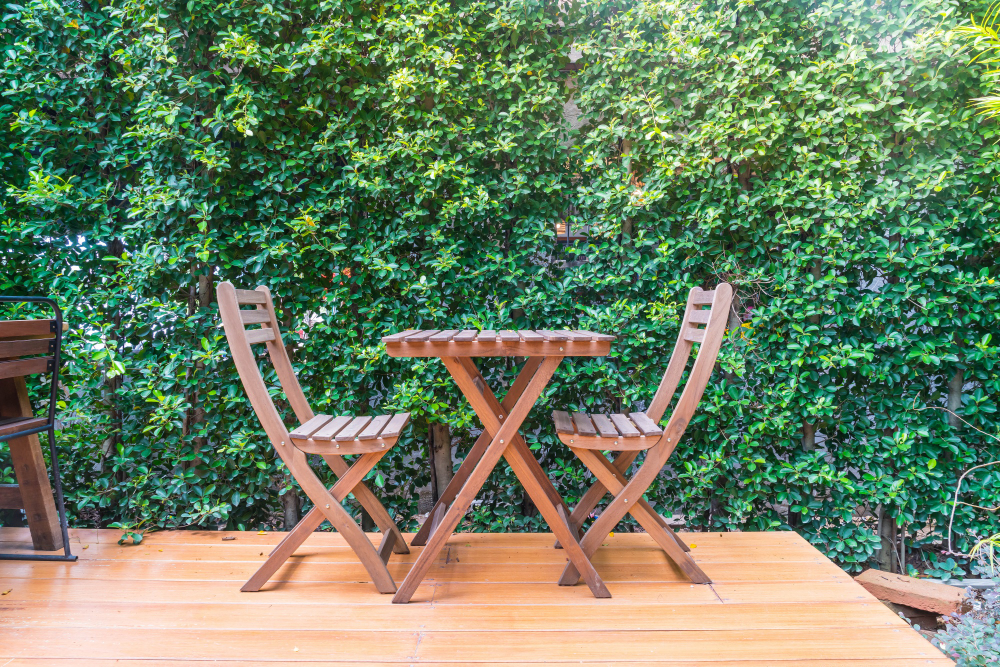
x: 27, y: 347
x: 705, y: 319
x: 21, y: 341
x: 235, y: 320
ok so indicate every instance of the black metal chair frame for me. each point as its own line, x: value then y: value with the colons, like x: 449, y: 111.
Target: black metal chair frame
x: 50, y: 427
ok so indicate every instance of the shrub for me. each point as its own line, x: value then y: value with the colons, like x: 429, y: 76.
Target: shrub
x: 973, y: 638
x: 383, y: 167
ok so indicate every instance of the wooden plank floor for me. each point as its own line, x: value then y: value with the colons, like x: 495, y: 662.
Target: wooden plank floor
x: 490, y: 599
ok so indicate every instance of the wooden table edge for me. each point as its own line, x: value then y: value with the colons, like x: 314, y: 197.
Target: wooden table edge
x: 499, y: 349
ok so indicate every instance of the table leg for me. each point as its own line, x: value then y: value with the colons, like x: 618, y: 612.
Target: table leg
x: 536, y: 483
x: 476, y: 453
x: 531, y: 464
x: 557, y: 517
x: 498, y: 444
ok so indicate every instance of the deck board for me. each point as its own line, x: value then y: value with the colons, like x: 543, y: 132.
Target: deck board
x: 175, y: 599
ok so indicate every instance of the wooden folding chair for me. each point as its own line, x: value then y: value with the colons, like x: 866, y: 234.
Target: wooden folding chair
x: 330, y: 437
x: 629, y: 434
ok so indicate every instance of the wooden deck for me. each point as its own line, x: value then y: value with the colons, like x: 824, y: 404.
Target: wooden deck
x: 490, y: 599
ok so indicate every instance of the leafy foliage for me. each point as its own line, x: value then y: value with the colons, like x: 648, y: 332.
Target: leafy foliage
x: 984, y: 39
x: 972, y: 639
x: 389, y: 166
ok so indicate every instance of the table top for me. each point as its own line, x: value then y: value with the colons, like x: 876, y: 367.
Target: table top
x: 473, y: 343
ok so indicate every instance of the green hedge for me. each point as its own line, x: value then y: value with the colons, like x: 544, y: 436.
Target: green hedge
x: 383, y: 166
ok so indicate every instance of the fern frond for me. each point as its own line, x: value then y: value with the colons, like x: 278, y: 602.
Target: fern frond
x: 988, y: 106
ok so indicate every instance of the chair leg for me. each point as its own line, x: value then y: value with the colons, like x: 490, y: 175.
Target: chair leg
x: 385, y: 548
x: 621, y: 464
x: 327, y: 506
x: 593, y: 495
x: 293, y: 540
x: 368, y: 500
x: 612, y: 479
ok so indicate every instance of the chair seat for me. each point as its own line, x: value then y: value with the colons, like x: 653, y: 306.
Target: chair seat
x: 326, y: 434
x: 632, y: 432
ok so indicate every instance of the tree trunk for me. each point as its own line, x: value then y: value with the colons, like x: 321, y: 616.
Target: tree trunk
x: 290, y: 506
x: 205, y: 285
x: 809, y: 428
x: 110, y: 446
x: 955, y: 397
x: 808, y: 436
x: 442, y: 467
x: 886, y: 555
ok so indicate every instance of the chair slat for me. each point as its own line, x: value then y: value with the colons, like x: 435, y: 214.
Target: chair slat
x: 604, y: 426
x: 487, y: 336
x: 260, y: 335
x: 564, y: 424
x: 443, y: 336
x: 625, y: 427
x: 465, y: 336
x: 583, y: 424
x: 374, y: 427
x: 23, y: 348
x: 9, y: 369
x: 396, y: 337
x: 395, y: 425
x: 351, y: 430
x: 703, y: 297
x: 304, y: 431
x: 421, y: 336
x: 531, y: 336
x: 255, y: 316
x: 699, y: 316
x: 694, y: 335
x: 26, y: 424
x: 247, y: 296
x: 510, y: 337
x: 18, y: 328
x: 645, y: 424
x: 332, y: 428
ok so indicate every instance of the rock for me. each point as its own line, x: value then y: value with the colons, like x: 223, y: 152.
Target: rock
x: 918, y: 593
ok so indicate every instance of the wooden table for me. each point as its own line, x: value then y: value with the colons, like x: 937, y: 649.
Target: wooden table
x: 501, y: 422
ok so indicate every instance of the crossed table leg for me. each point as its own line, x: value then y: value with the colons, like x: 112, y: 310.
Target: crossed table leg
x: 501, y: 422
x: 482, y: 442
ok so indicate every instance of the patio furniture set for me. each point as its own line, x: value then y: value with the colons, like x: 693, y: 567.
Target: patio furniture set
x: 368, y: 439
